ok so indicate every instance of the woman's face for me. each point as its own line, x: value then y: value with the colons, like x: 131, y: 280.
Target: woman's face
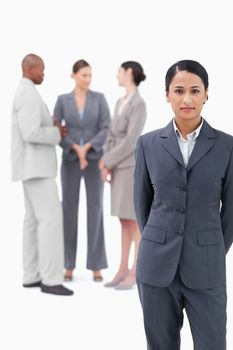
x: 121, y: 76
x: 83, y: 77
x: 124, y: 76
x: 187, y: 95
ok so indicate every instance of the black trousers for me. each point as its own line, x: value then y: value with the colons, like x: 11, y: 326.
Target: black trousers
x: 163, y: 315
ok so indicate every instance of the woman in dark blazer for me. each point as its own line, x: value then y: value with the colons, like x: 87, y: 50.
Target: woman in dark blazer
x: 119, y: 160
x: 183, y: 192
x: 86, y: 116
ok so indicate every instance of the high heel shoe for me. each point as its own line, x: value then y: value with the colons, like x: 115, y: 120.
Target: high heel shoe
x: 97, y: 277
x: 117, y: 281
x: 125, y: 286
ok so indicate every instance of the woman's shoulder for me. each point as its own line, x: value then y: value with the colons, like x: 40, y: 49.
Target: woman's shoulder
x: 152, y: 134
x: 150, y: 137
x: 65, y: 96
x: 96, y: 94
x: 224, y: 137
x: 138, y: 100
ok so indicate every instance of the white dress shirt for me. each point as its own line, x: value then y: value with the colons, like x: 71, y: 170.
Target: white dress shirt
x: 187, y: 146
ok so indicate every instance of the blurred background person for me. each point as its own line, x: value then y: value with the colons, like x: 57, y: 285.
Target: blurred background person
x: 34, y: 162
x: 117, y: 166
x: 86, y: 116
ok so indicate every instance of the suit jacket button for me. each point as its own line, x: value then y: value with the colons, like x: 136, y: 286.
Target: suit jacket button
x: 180, y: 232
x: 181, y: 188
x: 181, y: 210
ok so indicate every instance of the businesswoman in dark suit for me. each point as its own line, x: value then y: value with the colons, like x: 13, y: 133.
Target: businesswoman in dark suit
x: 119, y: 160
x: 184, y: 203
x: 86, y: 116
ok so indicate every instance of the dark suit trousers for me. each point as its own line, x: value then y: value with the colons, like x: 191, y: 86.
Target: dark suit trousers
x: 71, y: 176
x: 163, y: 315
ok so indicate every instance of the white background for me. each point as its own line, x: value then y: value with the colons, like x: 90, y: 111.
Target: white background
x: 105, y: 33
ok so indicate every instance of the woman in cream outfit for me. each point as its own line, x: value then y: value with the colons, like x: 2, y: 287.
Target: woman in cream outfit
x: 117, y: 166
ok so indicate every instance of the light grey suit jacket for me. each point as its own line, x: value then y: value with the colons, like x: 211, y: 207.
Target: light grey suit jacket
x: 33, y: 154
x: 185, y: 214
x: 120, y: 145
x: 93, y: 127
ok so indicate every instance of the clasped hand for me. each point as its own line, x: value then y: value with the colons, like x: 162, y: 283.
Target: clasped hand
x: 81, y: 153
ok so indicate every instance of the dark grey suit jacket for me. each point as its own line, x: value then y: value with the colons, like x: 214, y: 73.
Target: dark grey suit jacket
x: 185, y: 214
x: 93, y: 127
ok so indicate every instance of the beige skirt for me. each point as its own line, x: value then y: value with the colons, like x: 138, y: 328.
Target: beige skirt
x: 122, y: 204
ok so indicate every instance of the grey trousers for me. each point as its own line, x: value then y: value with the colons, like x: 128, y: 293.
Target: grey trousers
x: 43, y: 250
x: 71, y: 176
x: 163, y: 315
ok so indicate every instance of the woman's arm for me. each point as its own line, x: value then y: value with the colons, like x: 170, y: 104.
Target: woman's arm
x: 227, y: 205
x: 143, y: 190
x: 127, y: 145
x: 104, y: 121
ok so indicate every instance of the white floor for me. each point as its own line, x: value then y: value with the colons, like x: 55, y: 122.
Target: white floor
x: 94, y: 318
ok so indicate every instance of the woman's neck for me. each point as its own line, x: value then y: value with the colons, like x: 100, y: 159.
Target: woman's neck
x: 130, y: 89
x: 187, y: 126
x: 79, y: 92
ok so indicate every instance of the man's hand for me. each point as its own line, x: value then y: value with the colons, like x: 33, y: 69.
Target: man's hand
x: 62, y: 129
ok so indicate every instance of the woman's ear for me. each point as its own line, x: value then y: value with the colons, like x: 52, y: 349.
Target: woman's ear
x: 129, y: 70
x: 206, y: 96
x: 167, y: 97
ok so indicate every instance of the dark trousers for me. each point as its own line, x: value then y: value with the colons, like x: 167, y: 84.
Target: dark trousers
x: 71, y: 176
x: 163, y: 315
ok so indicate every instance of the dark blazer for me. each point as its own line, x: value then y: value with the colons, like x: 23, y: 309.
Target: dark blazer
x: 185, y: 214
x: 93, y: 127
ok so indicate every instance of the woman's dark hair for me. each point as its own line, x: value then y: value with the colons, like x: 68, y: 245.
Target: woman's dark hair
x: 189, y: 66
x: 79, y: 64
x: 137, y: 71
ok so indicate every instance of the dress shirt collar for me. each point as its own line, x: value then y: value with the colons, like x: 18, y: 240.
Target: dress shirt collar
x: 192, y: 136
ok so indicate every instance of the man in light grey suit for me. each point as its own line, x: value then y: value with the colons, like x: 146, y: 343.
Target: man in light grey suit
x: 184, y: 205
x: 34, y: 163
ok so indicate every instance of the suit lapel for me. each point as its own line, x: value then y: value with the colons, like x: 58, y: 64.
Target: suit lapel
x: 74, y: 108
x: 204, y: 143
x: 170, y: 143
x: 87, y: 106
x: 128, y: 105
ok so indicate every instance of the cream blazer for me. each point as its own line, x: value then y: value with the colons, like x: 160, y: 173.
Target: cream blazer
x: 126, y: 127
x: 34, y: 137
